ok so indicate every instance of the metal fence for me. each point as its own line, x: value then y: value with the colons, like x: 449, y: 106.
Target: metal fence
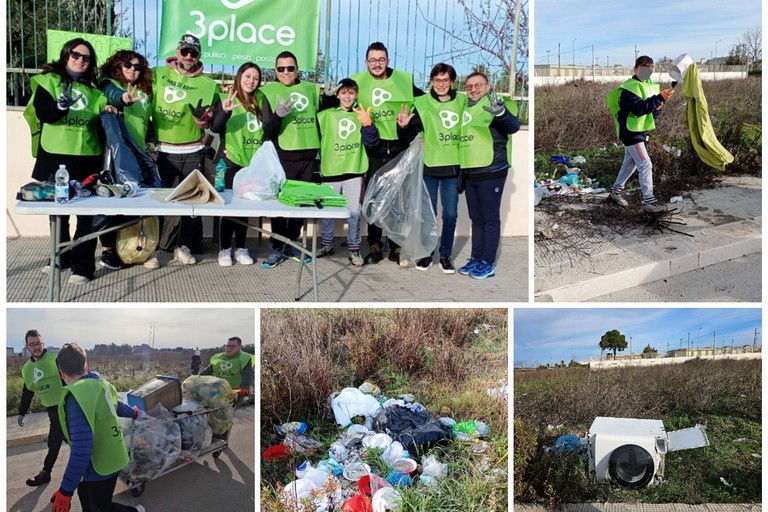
x: 418, y: 34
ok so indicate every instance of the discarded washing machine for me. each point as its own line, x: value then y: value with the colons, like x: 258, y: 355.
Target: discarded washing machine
x: 631, y: 451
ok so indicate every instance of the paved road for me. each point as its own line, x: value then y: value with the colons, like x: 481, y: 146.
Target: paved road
x: 226, y: 483
x: 737, y: 280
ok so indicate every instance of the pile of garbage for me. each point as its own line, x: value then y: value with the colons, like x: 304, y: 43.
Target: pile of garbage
x: 572, y: 183
x: 369, y: 462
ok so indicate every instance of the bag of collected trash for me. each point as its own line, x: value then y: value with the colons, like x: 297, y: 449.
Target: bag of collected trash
x: 210, y: 391
x: 352, y: 402
x: 192, y: 427
x: 135, y: 244
x: 396, y: 199
x: 417, y: 440
x: 220, y: 420
x: 398, y: 418
x: 262, y: 178
x: 125, y: 159
x: 154, y: 445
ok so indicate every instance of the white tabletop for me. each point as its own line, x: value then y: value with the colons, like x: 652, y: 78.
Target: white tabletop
x: 149, y: 202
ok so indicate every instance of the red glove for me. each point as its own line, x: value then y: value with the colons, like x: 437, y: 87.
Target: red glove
x: 242, y: 391
x: 61, y: 502
x: 138, y: 412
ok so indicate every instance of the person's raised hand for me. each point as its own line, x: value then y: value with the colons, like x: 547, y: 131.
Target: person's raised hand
x: 403, y: 118
x: 284, y: 107
x: 497, y: 104
x: 667, y: 93
x: 200, y: 111
x: 228, y: 105
x: 363, y: 115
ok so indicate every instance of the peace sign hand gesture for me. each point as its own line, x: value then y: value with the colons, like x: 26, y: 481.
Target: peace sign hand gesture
x: 130, y: 96
x: 403, y: 118
x: 228, y: 105
x: 363, y: 115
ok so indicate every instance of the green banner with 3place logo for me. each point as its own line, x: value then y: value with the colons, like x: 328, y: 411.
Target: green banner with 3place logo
x: 235, y: 31
x: 104, y: 46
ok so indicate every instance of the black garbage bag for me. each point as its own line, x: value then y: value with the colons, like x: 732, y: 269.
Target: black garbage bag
x: 396, y: 419
x: 127, y: 161
x: 417, y: 440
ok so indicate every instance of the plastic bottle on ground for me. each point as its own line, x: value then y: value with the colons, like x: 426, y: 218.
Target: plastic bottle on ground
x: 62, y: 185
x: 221, y: 170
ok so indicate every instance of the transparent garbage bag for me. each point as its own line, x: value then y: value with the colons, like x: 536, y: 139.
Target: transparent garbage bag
x: 192, y: 427
x: 262, y: 178
x: 220, y: 420
x: 210, y: 391
x: 156, y: 444
x: 396, y: 199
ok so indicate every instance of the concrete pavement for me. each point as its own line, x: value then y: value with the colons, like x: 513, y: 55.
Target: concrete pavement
x: 578, y: 261
x: 206, y: 281
x: 226, y: 483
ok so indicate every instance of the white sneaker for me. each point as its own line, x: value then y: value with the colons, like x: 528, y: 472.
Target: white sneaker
x: 182, y: 255
x: 46, y: 270
x: 243, y: 257
x: 225, y: 258
x: 139, y: 508
x: 76, y: 279
x: 152, y: 263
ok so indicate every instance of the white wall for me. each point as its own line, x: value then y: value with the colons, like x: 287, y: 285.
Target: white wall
x: 658, y: 78
x: 19, y: 163
x: 623, y: 363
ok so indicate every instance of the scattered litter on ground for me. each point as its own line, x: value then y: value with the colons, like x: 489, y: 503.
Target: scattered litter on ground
x: 500, y: 393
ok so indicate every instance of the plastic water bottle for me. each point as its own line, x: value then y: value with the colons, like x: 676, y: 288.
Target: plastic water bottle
x: 62, y: 185
x: 221, y: 169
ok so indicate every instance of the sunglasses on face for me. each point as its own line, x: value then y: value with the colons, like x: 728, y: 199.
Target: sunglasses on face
x: 186, y: 52
x: 136, y: 66
x: 283, y: 69
x: 77, y: 56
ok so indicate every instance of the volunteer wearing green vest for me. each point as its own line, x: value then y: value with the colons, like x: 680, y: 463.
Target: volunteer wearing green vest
x: 233, y: 365
x: 182, y: 97
x: 41, y: 376
x: 485, y: 129
x: 385, y: 90
x: 290, y: 109
x: 238, y: 120
x: 634, y: 105
x: 88, y: 411
x: 126, y: 81
x: 346, y: 132
x: 438, y: 115
x: 64, y: 113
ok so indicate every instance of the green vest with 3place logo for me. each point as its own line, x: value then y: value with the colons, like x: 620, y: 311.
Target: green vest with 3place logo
x: 644, y: 90
x: 299, y: 128
x: 173, y: 92
x: 230, y: 369
x: 386, y: 97
x: 42, y: 377
x: 136, y: 115
x: 442, y: 128
x: 98, y: 400
x: 77, y: 132
x: 476, y: 146
x: 341, y: 149
x: 245, y: 134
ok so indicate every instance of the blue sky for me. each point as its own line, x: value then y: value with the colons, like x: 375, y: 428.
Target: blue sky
x: 175, y: 327
x: 658, y: 29
x: 550, y: 335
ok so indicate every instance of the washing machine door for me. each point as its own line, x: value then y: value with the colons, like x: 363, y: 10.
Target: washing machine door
x: 631, y: 466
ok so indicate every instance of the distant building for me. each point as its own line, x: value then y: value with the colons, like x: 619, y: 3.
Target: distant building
x: 9, y: 352
x: 707, y: 351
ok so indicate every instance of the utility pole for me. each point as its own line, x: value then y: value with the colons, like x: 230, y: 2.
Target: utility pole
x: 754, y: 343
x: 573, y: 62
x: 630, y: 350
x: 558, y: 59
x: 548, y: 57
x: 635, y: 55
x: 593, y: 63
x: 714, y: 344
x: 687, y: 350
x: 513, y: 67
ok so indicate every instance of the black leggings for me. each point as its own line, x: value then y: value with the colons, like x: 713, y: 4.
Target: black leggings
x: 97, y: 496
x: 55, y: 438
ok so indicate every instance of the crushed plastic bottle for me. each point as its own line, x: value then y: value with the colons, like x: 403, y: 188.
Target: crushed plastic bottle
x: 470, y: 431
x: 298, y: 427
x: 221, y: 170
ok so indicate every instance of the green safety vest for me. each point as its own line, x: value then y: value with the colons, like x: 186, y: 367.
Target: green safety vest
x: 136, y: 115
x: 442, y: 128
x: 476, y: 144
x: 98, y: 400
x: 635, y: 123
x: 230, y: 369
x: 341, y: 149
x: 42, y: 377
x: 245, y: 134
x: 77, y: 132
x: 173, y: 92
x: 299, y: 128
x: 386, y: 97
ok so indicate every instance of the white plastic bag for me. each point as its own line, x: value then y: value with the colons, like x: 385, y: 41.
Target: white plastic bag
x: 264, y: 176
x: 352, y: 402
x: 397, y: 200
x: 431, y: 466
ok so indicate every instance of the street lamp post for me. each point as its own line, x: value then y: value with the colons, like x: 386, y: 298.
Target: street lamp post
x: 548, y: 57
x: 573, y: 61
x: 716, y: 66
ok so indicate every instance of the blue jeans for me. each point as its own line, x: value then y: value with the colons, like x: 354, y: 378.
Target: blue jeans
x: 484, y: 206
x: 449, y: 202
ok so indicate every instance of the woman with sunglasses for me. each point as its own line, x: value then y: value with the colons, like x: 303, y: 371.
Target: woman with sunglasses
x: 126, y: 81
x: 65, y: 108
x: 238, y: 119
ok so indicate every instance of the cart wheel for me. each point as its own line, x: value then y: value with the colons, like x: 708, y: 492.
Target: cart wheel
x: 138, y: 491
x: 217, y: 453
